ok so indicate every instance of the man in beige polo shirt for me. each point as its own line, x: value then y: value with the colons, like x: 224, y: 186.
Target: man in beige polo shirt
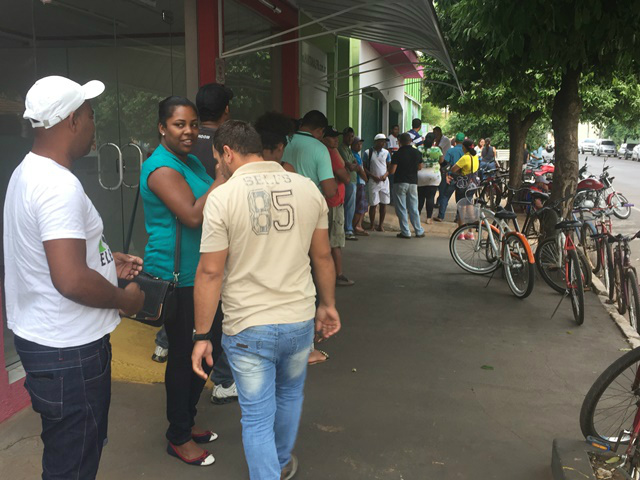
x: 260, y: 229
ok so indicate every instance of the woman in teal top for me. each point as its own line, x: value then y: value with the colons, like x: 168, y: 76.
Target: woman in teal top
x: 174, y: 185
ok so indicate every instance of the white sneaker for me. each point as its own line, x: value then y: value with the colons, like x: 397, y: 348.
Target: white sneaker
x: 160, y: 354
x: 221, y: 395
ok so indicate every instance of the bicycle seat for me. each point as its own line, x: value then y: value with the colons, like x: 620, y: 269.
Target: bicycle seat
x: 505, y: 215
x: 568, y: 225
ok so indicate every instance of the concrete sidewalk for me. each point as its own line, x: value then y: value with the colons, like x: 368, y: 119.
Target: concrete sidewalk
x: 433, y: 376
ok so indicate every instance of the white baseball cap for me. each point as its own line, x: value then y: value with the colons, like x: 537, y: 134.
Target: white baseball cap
x: 380, y: 136
x: 52, y: 99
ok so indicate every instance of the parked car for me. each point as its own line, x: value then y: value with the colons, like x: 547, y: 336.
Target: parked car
x: 626, y: 150
x: 635, y: 154
x: 606, y: 147
x: 588, y: 145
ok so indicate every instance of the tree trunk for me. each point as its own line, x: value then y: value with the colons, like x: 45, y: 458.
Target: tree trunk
x: 565, y: 118
x: 518, y: 129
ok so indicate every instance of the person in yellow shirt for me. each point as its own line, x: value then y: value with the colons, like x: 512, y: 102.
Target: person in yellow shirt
x: 464, y: 173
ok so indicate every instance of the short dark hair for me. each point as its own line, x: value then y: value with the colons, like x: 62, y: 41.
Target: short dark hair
x: 239, y: 136
x: 314, y: 119
x: 348, y: 130
x: 416, y: 123
x: 394, y: 126
x: 404, y: 139
x: 274, y: 128
x: 167, y: 106
x: 212, y: 100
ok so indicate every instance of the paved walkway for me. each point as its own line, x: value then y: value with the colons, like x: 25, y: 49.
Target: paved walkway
x: 405, y: 394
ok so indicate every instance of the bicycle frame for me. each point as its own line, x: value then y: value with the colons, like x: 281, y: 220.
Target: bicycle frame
x: 503, y: 231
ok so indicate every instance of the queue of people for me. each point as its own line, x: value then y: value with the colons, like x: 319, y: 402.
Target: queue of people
x: 231, y: 209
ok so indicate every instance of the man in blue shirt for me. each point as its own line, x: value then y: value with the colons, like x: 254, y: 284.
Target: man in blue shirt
x: 416, y: 137
x: 445, y: 190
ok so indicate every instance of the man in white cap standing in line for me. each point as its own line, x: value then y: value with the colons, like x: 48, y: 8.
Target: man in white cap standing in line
x: 61, y: 281
x: 376, y: 162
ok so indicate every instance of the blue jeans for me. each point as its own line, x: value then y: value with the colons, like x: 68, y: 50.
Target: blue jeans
x: 71, y: 390
x: 349, y: 207
x: 161, y: 338
x: 269, y: 365
x: 445, y: 191
x: 406, y: 201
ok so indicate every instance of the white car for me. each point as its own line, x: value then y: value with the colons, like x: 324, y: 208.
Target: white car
x: 635, y: 155
x: 588, y: 145
x: 606, y: 147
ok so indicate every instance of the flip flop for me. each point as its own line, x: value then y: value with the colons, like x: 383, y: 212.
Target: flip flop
x: 363, y: 233
x: 326, y: 357
x: 380, y: 229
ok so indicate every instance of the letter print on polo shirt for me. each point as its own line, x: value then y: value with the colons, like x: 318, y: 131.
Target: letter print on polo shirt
x: 260, y: 206
x: 105, y: 252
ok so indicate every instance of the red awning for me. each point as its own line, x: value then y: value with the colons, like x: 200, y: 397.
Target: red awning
x: 404, y: 61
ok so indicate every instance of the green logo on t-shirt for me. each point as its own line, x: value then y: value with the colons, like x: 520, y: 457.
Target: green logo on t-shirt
x: 105, y: 253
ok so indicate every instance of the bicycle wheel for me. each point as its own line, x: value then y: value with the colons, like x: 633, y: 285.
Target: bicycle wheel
x: 518, y: 271
x: 633, y: 298
x: 610, y: 406
x: 610, y: 284
x: 618, y: 275
x: 474, y: 255
x: 590, y: 247
x: 587, y: 275
x: 605, y: 263
x: 576, y: 287
x: 550, y: 264
x: 617, y: 202
x: 533, y: 230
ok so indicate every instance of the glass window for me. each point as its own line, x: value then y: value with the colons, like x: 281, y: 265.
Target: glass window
x: 253, y: 76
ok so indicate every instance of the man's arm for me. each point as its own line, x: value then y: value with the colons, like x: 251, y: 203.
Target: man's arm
x: 327, y: 317
x: 329, y: 187
x: 74, y: 280
x: 342, y: 175
x: 206, y: 295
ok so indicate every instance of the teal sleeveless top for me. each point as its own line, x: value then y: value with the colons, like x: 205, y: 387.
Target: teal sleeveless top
x: 160, y: 222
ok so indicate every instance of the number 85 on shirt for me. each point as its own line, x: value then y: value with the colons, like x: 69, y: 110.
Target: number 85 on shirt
x: 264, y: 206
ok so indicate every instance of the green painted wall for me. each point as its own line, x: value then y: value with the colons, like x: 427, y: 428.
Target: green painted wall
x: 347, y: 108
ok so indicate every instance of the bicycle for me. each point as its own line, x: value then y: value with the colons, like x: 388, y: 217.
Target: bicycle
x: 558, y: 263
x: 610, y: 412
x: 625, y: 279
x: 481, y: 247
x: 492, y: 187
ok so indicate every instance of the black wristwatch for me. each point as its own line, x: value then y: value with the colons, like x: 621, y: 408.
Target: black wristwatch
x: 196, y: 337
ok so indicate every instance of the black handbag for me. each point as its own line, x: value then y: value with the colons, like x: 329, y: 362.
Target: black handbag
x: 160, y: 296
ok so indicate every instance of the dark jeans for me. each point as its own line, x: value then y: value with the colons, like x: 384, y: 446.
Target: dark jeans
x: 182, y: 385
x: 427, y: 195
x: 71, y: 390
x: 446, y: 190
x: 221, y: 374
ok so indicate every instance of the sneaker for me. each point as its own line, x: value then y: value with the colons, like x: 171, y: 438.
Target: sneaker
x: 342, y: 281
x: 290, y: 469
x: 160, y: 354
x: 350, y: 236
x: 421, y: 235
x: 462, y: 236
x: 221, y: 395
x: 400, y: 235
x: 469, y: 236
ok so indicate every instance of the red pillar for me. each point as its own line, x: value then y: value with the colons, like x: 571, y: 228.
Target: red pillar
x: 208, y: 40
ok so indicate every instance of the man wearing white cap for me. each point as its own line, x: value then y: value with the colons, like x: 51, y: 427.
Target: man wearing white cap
x: 61, y: 281
x: 376, y: 162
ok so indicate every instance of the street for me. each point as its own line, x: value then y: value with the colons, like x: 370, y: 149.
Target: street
x: 435, y: 375
x: 627, y: 178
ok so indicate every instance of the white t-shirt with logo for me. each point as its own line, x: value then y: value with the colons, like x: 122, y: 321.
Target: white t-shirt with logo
x: 45, y: 201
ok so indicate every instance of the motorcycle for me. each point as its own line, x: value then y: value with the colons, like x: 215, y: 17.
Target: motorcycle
x: 530, y: 172
x: 599, y: 192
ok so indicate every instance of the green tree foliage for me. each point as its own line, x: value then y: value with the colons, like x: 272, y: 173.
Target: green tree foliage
x: 563, y: 39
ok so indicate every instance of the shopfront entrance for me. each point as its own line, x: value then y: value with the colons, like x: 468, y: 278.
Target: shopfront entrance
x: 137, y: 48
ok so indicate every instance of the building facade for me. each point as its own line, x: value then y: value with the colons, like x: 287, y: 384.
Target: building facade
x: 146, y: 50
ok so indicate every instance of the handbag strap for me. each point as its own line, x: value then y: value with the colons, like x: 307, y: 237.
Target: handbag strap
x: 176, y: 255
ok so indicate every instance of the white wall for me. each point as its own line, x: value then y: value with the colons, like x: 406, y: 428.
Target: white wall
x: 387, y: 75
